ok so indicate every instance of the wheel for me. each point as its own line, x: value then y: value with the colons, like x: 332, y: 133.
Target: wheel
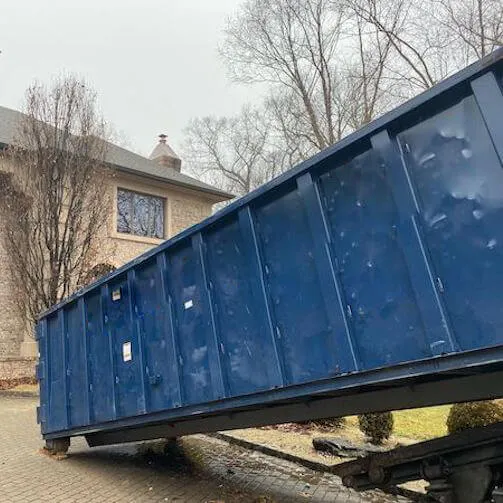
x: 58, y: 445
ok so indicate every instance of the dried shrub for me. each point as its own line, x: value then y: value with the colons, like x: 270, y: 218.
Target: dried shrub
x: 376, y: 426
x: 464, y: 416
x: 327, y: 424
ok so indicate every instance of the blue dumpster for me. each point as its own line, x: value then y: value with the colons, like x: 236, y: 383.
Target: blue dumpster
x: 368, y: 277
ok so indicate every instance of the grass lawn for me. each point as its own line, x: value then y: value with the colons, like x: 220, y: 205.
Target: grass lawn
x: 422, y: 424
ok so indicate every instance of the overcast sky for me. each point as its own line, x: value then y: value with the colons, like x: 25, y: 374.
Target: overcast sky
x: 153, y: 63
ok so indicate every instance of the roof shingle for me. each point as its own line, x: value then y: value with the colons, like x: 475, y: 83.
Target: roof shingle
x: 123, y: 159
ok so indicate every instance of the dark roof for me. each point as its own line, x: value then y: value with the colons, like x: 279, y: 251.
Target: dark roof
x: 123, y: 159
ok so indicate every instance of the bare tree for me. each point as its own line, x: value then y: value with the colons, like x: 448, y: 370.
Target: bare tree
x: 419, y: 52
x: 332, y: 66
x: 55, y: 194
x: 290, y: 43
x: 475, y: 26
x: 316, y: 95
x: 237, y: 153
x: 433, y: 38
x: 288, y: 126
x: 325, y: 64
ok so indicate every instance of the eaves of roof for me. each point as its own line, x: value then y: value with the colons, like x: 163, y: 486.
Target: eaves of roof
x: 122, y: 159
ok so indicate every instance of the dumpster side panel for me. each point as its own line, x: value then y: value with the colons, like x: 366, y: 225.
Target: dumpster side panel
x: 56, y: 363
x: 77, y: 362
x: 153, y: 316
x: 101, y: 362
x: 120, y: 326
x: 302, y: 325
x: 364, y: 224
x: 247, y: 344
x: 459, y: 183
x: 193, y: 329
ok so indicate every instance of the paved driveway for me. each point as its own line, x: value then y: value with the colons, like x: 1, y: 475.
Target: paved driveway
x: 203, y: 469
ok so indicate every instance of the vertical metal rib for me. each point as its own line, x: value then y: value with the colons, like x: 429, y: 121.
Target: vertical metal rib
x: 45, y: 387
x: 489, y: 97
x: 252, y: 248
x: 104, y: 299
x: 415, y: 253
x: 331, y: 286
x: 136, y: 329
x: 87, y: 359
x: 222, y: 385
x: 171, y: 337
x: 64, y: 354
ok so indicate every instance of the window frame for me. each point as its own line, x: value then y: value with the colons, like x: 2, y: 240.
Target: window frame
x: 132, y: 233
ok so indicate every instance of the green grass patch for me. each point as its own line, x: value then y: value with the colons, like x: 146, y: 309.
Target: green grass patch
x: 418, y: 424
x: 422, y: 424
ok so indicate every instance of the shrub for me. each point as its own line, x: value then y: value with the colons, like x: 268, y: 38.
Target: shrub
x: 376, y: 426
x: 464, y: 416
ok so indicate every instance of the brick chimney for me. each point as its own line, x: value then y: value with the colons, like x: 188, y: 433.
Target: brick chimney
x: 165, y: 156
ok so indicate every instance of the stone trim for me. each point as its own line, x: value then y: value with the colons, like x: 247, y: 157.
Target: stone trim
x: 17, y: 367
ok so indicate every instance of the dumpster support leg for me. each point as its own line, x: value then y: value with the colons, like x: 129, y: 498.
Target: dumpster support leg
x: 58, y: 445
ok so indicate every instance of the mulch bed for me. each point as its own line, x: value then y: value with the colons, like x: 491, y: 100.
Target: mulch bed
x: 306, y: 426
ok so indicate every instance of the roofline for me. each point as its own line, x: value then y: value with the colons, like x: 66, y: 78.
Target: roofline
x: 220, y: 194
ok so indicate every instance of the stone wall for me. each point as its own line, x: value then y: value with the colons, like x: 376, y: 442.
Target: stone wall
x: 17, y: 368
x: 186, y: 211
x: 12, y: 328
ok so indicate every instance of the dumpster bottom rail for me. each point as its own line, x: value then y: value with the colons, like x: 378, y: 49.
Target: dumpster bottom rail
x: 400, y: 394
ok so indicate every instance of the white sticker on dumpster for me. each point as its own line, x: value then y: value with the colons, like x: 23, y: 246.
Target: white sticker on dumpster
x: 188, y: 304
x: 127, y: 355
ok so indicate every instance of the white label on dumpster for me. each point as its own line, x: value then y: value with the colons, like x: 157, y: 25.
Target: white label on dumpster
x: 126, y: 352
x: 188, y: 304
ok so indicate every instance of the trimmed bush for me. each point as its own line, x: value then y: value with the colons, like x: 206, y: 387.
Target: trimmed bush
x: 464, y: 416
x: 376, y: 426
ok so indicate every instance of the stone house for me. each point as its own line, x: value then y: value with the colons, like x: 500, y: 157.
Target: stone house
x: 152, y: 200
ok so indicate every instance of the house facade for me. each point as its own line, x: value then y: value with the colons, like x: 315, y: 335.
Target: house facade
x: 151, y: 201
